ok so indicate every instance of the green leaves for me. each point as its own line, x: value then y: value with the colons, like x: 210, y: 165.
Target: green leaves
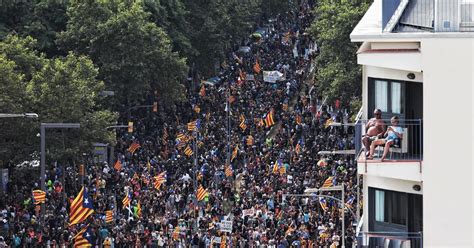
x: 338, y: 74
x: 63, y: 89
x: 134, y: 54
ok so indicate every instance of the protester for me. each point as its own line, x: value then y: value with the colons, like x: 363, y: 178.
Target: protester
x: 246, y: 163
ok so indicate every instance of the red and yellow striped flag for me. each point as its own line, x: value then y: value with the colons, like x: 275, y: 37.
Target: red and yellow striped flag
x: 39, y: 196
x: 234, y: 153
x: 175, y: 234
x: 109, y: 216
x: 201, y: 193
x: 249, y: 140
x: 269, y: 119
x: 118, y: 165
x: 81, y: 208
x: 188, y: 151
x: 228, y: 171
x: 328, y: 182
x: 256, y: 67
x: 126, y: 200
x: 133, y: 147
x: 159, y: 180
x: 83, y: 238
x: 242, y: 122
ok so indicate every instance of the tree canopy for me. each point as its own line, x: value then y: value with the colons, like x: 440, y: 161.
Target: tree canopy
x: 337, y: 75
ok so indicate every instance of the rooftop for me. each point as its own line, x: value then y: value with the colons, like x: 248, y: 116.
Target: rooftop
x: 415, y: 19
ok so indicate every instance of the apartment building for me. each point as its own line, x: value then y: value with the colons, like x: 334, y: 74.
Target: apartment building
x: 417, y: 58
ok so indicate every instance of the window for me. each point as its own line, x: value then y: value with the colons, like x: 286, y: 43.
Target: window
x: 391, y: 207
x: 396, y: 98
x: 381, y: 95
x: 379, y: 205
x: 387, y: 95
x: 467, y: 13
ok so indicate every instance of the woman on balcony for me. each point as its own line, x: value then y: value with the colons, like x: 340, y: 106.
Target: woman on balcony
x: 393, y: 135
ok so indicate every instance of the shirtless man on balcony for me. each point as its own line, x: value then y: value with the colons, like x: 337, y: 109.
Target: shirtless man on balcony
x: 374, y: 128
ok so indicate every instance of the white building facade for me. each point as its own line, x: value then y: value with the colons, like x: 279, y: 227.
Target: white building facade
x: 417, y: 58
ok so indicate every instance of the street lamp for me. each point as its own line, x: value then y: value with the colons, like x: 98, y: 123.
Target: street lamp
x: 24, y: 115
x: 43, y: 128
x: 335, y: 188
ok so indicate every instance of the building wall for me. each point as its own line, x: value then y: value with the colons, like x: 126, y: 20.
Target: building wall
x: 447, y: 166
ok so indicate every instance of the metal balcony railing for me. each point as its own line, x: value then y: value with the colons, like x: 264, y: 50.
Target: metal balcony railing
x: 390, y: 240
x: 409, y: 148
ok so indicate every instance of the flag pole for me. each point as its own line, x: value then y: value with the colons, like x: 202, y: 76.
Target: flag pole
x: 195, y: 132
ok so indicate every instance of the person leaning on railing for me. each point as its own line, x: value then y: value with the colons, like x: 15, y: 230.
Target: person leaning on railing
x: 374, y: 129
x: 393, y: 135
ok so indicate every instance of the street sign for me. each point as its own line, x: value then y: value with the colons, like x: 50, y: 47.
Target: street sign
x: 226, y: 226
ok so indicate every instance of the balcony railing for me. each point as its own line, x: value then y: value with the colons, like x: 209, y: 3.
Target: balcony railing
x: 409, y: 148
x: 428, y: 16
x: 390, y: 239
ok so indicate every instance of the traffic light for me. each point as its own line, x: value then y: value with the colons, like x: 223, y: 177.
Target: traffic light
x: 130, y: 127
x: 155, y: 107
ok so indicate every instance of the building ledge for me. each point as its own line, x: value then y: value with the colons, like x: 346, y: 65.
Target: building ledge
x: 410, y: 170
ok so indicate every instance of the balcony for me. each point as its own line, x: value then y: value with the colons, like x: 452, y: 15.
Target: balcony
x: 404, y: 158
x: 389, y: 239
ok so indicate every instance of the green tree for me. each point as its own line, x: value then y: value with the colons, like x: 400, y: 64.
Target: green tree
x: 41, y: 19
x: 64, y: 89
x: 134, y: 55
x: 67, y: 90
x: 338, y: 74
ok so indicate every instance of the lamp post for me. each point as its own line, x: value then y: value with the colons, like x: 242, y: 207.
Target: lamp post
x: 335, y: 188
x: 24, y: 115
x: 43, y: 128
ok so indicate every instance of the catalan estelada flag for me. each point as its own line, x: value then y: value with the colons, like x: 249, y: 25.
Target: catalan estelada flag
x: 201, y: 193
x: 159, y: 180
x: 109, y: 216
x: 133, y: 147
x: 276, y: 166
x: 328, y: 182
x: 83, y: 238
x: 269, y: 119
x: 118, y: 165
x: 323, y: 204
x: 194, y: 125
x: 81, y: 207
x: 228, y: 171
x: 234, y: 153
x: 256, y: 67
x: 188, y: 151
x: 126, y: 200
x: 39, y: 196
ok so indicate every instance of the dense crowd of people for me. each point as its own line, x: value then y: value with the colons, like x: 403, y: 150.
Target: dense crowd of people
x: 247, y: 164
